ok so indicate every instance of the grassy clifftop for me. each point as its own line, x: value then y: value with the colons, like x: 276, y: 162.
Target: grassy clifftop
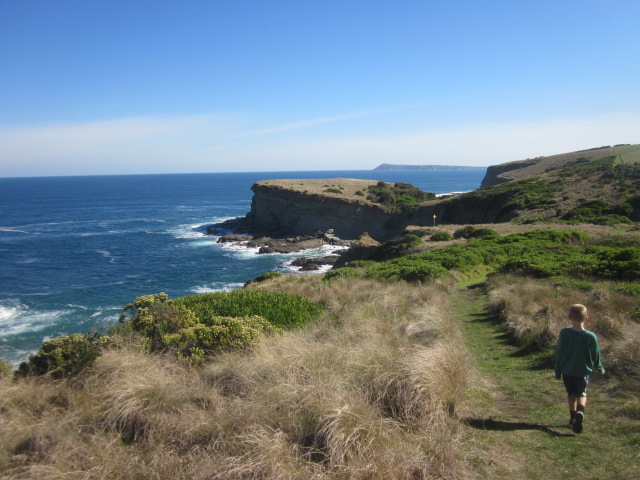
x: 595, y: 188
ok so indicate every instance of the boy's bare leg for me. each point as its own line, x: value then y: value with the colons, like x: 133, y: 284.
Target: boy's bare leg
x: 573, y: 403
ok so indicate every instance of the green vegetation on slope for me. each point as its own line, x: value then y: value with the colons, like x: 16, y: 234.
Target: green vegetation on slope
x: 192, y: 327
x: 538, y: 253
x: 565, y: 193
x: 399, y: 196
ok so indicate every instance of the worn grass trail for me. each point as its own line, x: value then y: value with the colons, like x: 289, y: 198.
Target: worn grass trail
x: 517, y: 415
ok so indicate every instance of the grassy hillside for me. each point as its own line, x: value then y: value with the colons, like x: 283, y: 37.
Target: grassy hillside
x: 601, y: 190
x: 531, y: 167
x: 381, y: 369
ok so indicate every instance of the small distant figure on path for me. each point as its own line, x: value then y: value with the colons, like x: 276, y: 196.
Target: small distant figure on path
x: 577, y: 354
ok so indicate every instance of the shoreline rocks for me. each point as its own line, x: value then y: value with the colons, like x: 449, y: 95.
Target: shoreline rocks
x: 267, y: 244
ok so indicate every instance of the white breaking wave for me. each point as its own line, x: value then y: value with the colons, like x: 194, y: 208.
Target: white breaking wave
x: 16, y: 318
x: 323, y: 251
x: 196, y: 230
x: 12, y: 230
x: 438, y: 195
x: 216, y: 287
x: 203, y: 242
x: 239, y: 250
x: 107, y: 254
x: 187, y: 231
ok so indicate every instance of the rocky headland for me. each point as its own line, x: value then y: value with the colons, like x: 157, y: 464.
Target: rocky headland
x: 288, y: 216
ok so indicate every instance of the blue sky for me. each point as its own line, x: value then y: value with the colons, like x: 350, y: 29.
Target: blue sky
x: 137, y: 86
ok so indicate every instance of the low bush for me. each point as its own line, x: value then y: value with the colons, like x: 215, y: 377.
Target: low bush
x: 538, y: 253
x: 199, y: 325
x: 345, y: 272
x: 398, y: 196
x: 64, y: 356
x: 397, y: 246
x: 474, y: 232
x: 440, y: 237
x: 411, y: 268
x: 5, y: 369
x: 169, y: 325
x: 362, y: 263
x: 600, y: 213
x: 281, y: 310
x: 194, y: 342
x: 333, y: 190
x: 264, y: 277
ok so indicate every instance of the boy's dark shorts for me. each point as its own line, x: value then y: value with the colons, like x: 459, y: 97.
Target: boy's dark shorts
x: 576, y: 386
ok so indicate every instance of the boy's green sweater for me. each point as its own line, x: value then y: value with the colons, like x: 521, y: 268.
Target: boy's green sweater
x: 577, y: 353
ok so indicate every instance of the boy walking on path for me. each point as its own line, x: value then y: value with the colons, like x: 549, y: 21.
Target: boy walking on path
x: 577, y: 354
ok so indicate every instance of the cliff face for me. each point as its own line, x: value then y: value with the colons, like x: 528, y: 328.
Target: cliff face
x: 497, y: 174
x: 281, y: 211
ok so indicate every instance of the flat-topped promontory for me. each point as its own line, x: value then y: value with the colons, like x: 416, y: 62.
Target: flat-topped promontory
x: 348, y: 189
x: 306, y: 206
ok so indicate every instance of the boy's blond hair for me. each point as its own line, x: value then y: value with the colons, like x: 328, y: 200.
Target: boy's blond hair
x: 578, y: 313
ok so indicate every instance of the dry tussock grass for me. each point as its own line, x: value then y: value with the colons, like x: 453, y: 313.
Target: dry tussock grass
x: 368, y: 391
x: 535, y: 312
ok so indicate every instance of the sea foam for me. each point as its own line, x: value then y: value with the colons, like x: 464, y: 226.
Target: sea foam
x: 16, y: 318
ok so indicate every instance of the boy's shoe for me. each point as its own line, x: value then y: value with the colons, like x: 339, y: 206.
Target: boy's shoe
x: 577, y: 425
x: 572, y: 421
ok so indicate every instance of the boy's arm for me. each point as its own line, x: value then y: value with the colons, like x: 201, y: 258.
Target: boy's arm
x: 596, y: 357
x: 557, y: 365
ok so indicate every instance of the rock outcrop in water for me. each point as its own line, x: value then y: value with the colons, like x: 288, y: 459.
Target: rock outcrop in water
x: 291, y: 208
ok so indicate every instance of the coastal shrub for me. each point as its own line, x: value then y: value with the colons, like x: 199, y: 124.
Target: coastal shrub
x: 397, y: 246
x: 264, y: 277
x: 194, y: 342
x: 398, y: 196
x: 538, y: 253
x: 574, y: 237
x: 572, y: 283
x: 5, y: 369
x: 440, y: 237
x: 345, y: 272
x: 333, y: 190
x: 631, y: 289
x: 474, y: 232
x: 600, y: 213
x: 169, y: 325
x: 278, y: 308
x: 64, y: 356
x: 409, y: 269
x: 362, y: 263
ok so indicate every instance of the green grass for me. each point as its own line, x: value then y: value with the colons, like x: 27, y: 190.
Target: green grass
x: 628, y: 154
x: 518, y: 415
x: 281, y: 310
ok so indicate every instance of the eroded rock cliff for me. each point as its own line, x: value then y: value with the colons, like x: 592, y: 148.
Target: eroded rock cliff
x: 304, y: 207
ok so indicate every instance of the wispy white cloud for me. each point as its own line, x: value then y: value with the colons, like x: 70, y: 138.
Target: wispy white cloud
x: 183, y: 144
x: 473, y: 145
x: 323, y: 120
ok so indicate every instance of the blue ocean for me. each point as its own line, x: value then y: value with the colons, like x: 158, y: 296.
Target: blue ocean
x: 75, y: 250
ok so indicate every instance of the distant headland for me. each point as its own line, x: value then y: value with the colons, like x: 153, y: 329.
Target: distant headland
x: 392, y: 166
